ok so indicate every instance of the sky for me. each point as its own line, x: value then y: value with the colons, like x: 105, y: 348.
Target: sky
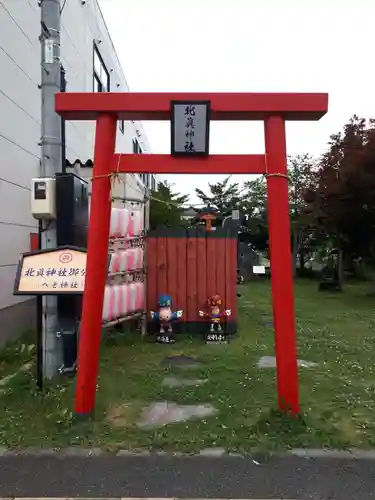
x: 248, y: 46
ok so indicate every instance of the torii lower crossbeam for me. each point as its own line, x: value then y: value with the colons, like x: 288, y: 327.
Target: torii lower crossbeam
x: 274, y: 110
x: 167, y: 164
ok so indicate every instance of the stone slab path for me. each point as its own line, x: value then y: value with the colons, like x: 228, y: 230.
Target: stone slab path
x: 270, y: 362
x: 161, y: 413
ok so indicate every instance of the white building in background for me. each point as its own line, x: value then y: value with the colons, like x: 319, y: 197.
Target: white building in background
x: 90, y: 62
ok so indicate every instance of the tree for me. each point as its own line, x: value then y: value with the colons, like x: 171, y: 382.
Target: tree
x: 254, y: 205
x: 303, y: 176
x: 255, y: 197
x: 224, y: 196
x: 344, y: 203
x: 166, y: 207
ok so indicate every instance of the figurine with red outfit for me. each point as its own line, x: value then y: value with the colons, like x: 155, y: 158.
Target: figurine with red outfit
x: 215, y: 314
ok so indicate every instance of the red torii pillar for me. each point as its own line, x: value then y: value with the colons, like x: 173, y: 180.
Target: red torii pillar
x: 274, y: 110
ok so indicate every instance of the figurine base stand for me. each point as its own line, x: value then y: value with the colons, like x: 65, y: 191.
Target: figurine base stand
x: 164, y: 339
x: 216, y: 338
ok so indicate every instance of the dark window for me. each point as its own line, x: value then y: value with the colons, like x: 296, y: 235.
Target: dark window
x: 138, y: 150
x: 136, y: 147
x: 101, y: 78
x: 97, y: 85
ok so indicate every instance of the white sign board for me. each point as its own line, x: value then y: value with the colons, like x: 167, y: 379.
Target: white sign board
x: 235, y: 214
x: 259, y: 270
x: 51, y: 272
x: 190, y: 128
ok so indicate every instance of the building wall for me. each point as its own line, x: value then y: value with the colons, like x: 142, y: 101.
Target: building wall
x: 82, y: 26
x: 20, y: 125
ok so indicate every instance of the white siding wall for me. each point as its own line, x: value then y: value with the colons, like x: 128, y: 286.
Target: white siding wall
x: 20, y: 115
x: 19, y: 133
x: 82, y: 24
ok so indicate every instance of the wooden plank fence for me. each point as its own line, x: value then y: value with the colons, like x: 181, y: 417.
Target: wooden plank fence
x: 190, y: 265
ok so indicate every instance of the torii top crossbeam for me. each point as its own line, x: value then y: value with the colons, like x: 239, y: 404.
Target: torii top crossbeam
x: 224, y: 106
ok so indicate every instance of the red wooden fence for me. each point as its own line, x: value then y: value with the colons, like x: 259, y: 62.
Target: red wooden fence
x: 190, y: 265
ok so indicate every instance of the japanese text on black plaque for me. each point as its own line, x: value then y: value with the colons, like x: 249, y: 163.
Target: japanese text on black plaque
x: 189, y: 128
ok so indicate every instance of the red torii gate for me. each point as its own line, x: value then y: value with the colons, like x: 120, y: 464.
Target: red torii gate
x: 274, y: 110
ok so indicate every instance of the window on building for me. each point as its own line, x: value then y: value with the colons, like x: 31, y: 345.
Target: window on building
x: 138, y: 150
x: 136, y: 147
x: 101, y: 77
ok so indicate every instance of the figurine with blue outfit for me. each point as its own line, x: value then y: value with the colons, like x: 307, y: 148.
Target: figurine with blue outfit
x: 164, y: 317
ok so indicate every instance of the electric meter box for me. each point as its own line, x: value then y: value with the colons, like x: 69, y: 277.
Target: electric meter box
x: 43, y: 198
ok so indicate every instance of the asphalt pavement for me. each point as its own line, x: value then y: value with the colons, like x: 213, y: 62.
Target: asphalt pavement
x: 187, y: 477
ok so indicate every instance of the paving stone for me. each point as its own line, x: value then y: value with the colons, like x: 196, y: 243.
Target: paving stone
x: 270, y: 362
x: 182, y: 361
x: 180, y: 382
x: 332, y: 453
x: 76, y: 451
x: 363, y: 454
x: 127, y: 453
x: 212, y: 452
x: 31, y: 451
x: 162, y: 413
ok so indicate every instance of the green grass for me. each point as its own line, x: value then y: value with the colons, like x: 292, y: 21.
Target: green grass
x: 16, y: 354
x: 337, y: 396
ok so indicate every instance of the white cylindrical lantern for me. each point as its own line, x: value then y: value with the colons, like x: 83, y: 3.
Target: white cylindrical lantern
x: 125, y: 220
x: 106, y: 315
x: 125, y: 300
x: 138, y: 289
x: 132, y: 293
x: 123, y: 260
x: 115, y: 225
x: 115, y: 305
x: 131, y: 259
x: 138, y: 258
x: 115, y: 262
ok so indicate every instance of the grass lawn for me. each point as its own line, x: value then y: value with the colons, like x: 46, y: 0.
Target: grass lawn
x: 337, y: 396
x: 16, y: 354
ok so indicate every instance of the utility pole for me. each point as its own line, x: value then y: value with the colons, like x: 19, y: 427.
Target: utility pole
x: 51, y: 162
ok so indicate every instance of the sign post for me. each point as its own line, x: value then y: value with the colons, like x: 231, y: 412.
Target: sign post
x: 51, y: 272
